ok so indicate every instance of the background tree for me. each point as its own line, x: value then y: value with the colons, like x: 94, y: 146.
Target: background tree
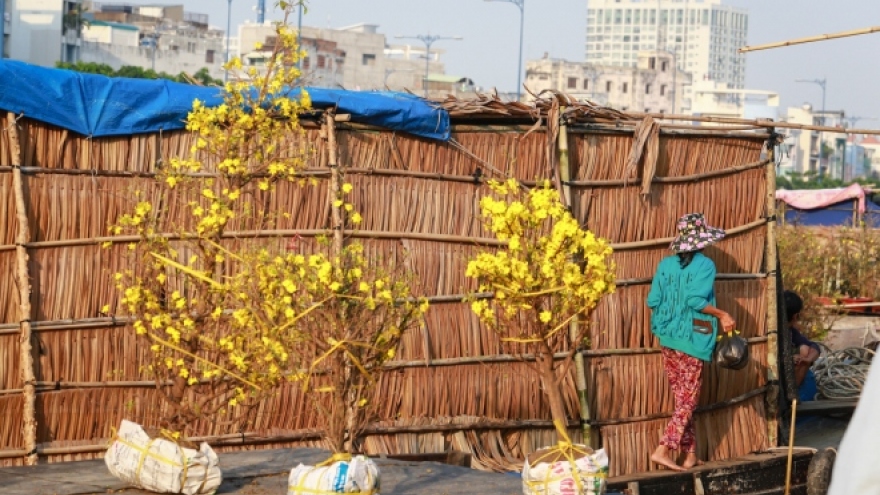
x: 202, y: 76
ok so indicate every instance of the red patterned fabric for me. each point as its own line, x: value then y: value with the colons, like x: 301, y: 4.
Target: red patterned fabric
x: 684, y: 373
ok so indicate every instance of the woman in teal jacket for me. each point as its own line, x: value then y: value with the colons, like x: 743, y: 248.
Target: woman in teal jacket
x: 685, y: 320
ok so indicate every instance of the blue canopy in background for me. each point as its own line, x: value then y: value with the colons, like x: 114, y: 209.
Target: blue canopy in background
x: 95, y: 105
x: 836, y: 215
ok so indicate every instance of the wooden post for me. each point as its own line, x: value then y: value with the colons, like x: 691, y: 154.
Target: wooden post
x: 22, y: 279
x: 770, y: 258
x: 335, y: 182
x: 574, y: 326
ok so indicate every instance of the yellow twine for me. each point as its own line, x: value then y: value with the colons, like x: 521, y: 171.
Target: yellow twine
x: 566, y: 449
x: 145, y: 452
x: 337, y: 457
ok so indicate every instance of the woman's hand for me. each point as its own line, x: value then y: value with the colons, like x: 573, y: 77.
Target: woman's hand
x: 727, y: 322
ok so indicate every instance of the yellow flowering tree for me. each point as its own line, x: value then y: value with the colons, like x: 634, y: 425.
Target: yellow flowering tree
x: 550, y: 271
x: 361, y: 309
x: 226, y: 322
x: 219, y: 329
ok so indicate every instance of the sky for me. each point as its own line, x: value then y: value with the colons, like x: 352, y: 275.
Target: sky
x: 490, y: 30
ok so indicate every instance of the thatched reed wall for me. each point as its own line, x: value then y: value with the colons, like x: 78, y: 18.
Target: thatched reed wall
x: 454, y: 386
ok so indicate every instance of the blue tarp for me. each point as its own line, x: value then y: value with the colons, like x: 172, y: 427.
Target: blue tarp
x: 95, y: 105
x: 838, y: 214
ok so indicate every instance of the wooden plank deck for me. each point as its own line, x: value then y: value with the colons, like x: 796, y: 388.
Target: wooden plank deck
x: 823, y: 407
x: 756, y: 474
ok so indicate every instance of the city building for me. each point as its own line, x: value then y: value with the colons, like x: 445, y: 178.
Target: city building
x: 814, y: 152
x: 359, y: 57
x: 361, y: 46
x: 324, y: 62
x: 872, y: 150
x: 406, y: 68
x: 703, y: 34
x: 164, y: 38
x: 42, y: 32
x: 653, y: 85
x: 713, y: 99
x: 857, y: 157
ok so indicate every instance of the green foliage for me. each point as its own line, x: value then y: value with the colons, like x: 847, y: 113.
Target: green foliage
x: 203, y: 76
x: 813, y: 180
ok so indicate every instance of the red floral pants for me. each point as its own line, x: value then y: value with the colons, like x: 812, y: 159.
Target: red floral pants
x: 684, y: 373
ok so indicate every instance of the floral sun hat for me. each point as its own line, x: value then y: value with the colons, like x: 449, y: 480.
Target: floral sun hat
x: 694, y: 234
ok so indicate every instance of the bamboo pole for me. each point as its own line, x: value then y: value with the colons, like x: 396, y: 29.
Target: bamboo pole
x: 637, y: 181
x: 770, y: 260
x: 362, y: 234
x: 255, y: 234
x: 103, y: 322
x: 593, y: 126
x: 810, y: 39
x: 254, y: 438
x: 623, y: 246
x: 390, y: 365
x: 790, y: 447
x: 335, y: 182
x: 702, y: 409
x: 574, y: 326
x: 763, y: 123
x: 26, y: 359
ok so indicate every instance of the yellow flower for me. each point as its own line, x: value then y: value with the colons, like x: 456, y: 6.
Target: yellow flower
x: 105, y: 309
x: 356, y: 218
x: 337, y: 203
x: 346, y: 188
x: 545, y: 316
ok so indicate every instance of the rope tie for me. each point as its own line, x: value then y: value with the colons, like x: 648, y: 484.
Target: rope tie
x: 568, y: 451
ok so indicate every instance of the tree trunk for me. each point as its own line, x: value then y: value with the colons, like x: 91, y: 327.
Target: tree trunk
x: 552, y: 388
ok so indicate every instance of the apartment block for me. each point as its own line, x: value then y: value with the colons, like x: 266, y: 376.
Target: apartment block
x: 653, y: 85
x: 704, y: 35
x: 41, y: 32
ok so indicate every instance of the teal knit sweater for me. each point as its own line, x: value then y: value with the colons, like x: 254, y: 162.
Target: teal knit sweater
x: 677, y: 298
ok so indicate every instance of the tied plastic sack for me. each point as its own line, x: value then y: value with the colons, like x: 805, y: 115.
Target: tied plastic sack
x: 567, y: 469
x: 585, y: 475
x: 161, y: 465
x: 731, y: 351
x: 340, y: 474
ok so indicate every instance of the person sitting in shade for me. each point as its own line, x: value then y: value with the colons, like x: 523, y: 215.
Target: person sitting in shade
x: 805, y: 351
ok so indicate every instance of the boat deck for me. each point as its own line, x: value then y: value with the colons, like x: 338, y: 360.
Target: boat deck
x: 756, y: 474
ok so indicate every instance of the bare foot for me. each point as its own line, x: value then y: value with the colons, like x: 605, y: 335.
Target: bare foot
x: 691, y: 461
x: 661, y: 457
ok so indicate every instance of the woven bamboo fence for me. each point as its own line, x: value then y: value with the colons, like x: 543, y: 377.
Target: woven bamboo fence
x: 69, y: 374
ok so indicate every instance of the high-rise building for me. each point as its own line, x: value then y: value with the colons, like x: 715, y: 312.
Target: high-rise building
x: 42, y: 32
x: 703, y: 34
